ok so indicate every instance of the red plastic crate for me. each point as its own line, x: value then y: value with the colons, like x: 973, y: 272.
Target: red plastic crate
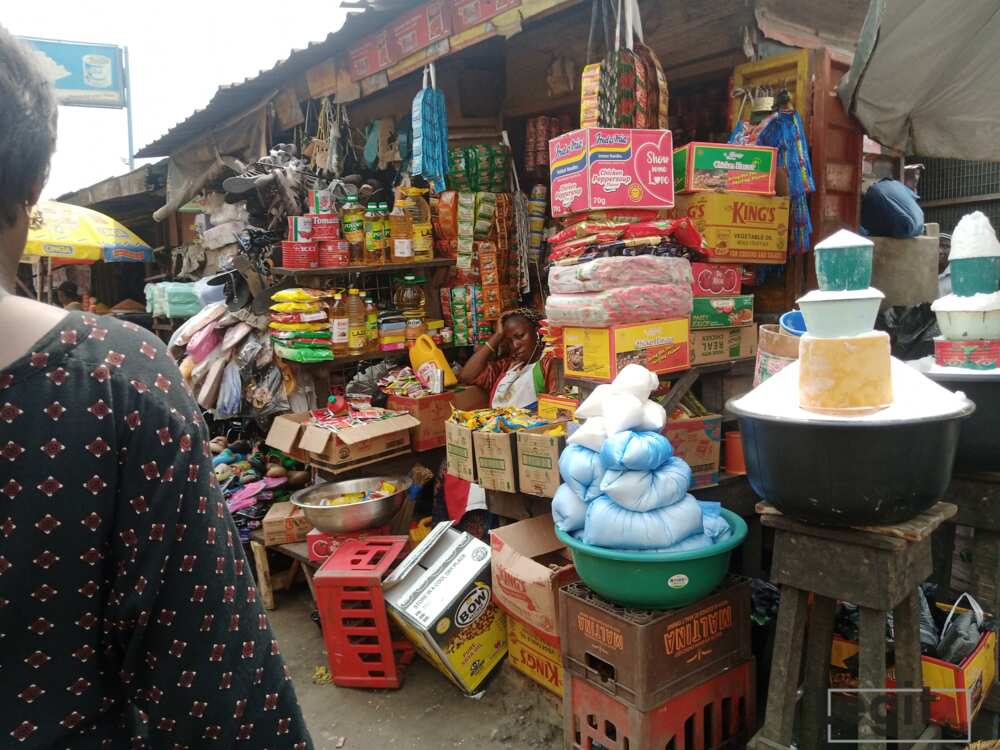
x: 359, y: 644
x: 718, y: 713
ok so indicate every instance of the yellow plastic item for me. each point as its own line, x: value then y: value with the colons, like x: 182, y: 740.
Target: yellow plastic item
x: 425, y: 350
x: 296, y: 307
x: 420, y: 530
x: 298, y: 326
x: 296, y: 295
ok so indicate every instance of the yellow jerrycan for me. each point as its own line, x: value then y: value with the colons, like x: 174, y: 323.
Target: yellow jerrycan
x: 425, y: 350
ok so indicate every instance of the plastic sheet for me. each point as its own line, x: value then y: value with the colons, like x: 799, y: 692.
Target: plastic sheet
x: 621, y: 412
x: 635, y: 451
x: 634, y: 304
x: 610, y: 525
x: 202, y: 343
x: 591, y: 434
x: 603, y: 274
x: 230, y: 392
x: 568, y: 511
x: 643, y: 491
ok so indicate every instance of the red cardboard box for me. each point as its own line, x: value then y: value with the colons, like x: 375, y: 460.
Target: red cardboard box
x: 321, y: 545
x: 715, y: 279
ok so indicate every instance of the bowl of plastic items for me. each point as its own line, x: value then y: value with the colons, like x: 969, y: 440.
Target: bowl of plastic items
x: 352, y: 505
x: 655, y: 580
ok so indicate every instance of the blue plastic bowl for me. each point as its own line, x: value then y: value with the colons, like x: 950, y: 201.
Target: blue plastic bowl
x: 792, y: 322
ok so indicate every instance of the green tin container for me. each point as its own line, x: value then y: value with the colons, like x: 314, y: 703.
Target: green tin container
x: 844, y: 262
x: 975, y: 276
x: 655, y: 580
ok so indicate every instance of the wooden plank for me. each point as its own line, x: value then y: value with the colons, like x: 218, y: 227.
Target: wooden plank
x: 263, y: 574
x: 309, y: 573
x: 842, y: 535
x: 817, y: 676
x: 283, y: 581
x: 871, y: 676
x: 344, y: 468
x: 942, y: 552
x: 678, y: 390
x: 909, y: 674
x: 978, y: 499
x: 779, y: 718
x: 913, y: 530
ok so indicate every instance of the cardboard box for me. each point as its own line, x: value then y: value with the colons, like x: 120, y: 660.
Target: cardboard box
x: 698, y: 442
x: 432, y: 412
x: 523, y: 583
x: 723, y: 166
x: 723, y: 344
x: 533, y: 656
x: 976, y: 675
x: 554, y: 408
x: 440, y: 597
x: 978, y: 354
x: 461, y: 455
x: 296, y: 436
x: 496, y: 460
x: 538, y: 461
x: 644, y: 658
x: 599, y: 168
x: 716, y: 279
x: 738, y: 228
x: 600, y: 353
x: 722, y: 312
x: 321, y: 545
x: 284, y: 524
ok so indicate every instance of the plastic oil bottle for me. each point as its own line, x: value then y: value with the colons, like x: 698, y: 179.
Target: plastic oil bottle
x: 371, y: 323
x: 339, y: 326
x: 401, y: 231
x: 357, y: 329
x: 352, y: 224
x: 421, y: 232
x: 374, y: 225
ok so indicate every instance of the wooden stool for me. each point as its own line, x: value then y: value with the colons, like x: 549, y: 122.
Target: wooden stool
x: 267, y: 583
x: 877, y: 568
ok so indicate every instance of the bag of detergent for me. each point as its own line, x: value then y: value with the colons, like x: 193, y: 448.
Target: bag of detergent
x: 610, y: 525
x: 635, y: 451
x: 642, y: 491
x: 568, y: 510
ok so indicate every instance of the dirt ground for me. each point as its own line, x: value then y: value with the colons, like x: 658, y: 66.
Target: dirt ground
x: 427, y: 713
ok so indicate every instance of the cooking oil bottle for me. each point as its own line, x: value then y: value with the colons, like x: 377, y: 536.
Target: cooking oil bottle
x: 339, y: 326
x: 421, y: 233
x: 401, y: 231
x: 357, y: 330
x: 352, y: 224
x: 371, y: 323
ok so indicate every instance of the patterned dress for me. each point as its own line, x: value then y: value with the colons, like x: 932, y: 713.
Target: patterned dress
x: 128, y: 614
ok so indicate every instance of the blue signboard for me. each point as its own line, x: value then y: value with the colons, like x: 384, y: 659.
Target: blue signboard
x: 84, y: 75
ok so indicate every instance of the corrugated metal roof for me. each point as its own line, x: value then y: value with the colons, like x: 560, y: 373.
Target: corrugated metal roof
x: 235, y: 98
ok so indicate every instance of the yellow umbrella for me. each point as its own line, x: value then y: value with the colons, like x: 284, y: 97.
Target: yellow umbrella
x: 80, y: 235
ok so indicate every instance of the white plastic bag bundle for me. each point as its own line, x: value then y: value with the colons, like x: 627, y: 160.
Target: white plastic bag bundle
x: 591, y: 434
x: 568, y: 511
x: 635, y: 451
x: 591, y: 406
x: 610, y: 525
x: 654, y: 416
x: 582, y: 470
x: 637, y: 380
x: 643, y: 491
x: 621, y: 411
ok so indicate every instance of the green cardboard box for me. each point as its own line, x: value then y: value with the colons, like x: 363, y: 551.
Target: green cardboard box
x: 722, y: 312
x: 723, y: 166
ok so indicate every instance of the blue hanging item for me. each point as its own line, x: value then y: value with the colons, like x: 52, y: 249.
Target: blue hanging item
x: 784, y: 131
x: 429, y: 115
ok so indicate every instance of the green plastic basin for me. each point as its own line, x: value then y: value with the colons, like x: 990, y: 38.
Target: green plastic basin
x: 655, y: 580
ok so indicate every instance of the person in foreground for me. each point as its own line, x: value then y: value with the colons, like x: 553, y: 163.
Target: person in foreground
x: 128, y: 614
x: 512, y: 368
x: 69, y: 296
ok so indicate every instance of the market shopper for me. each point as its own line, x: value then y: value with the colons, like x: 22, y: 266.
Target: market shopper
x: 69, y: 296
x: 513, y: 369
x: 128, y: 614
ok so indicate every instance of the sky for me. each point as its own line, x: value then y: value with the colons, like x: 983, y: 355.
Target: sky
x: 180, y: 52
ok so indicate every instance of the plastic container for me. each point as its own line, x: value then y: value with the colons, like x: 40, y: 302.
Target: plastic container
x: 357, y: 326
x: 969, y: 325
x: 793, y: 323
x: 371, y: 323
x: 353, y: 226
x: 420, y: 222
x: 844, y: 262
x: 401, y: 231
x: 339, y: 326
x: 409, y: 298
x: 655, y: 580
x: 975, y: 276
x: 833, y: 314
x: 425, y: 350
x: 374, y: 240
x: 732, y: 447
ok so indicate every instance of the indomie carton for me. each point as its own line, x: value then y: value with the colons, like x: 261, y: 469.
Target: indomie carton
x: 599, y: 168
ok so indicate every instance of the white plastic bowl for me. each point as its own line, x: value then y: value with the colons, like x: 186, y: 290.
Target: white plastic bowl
x: 835, y: 314
x: 968, y: 325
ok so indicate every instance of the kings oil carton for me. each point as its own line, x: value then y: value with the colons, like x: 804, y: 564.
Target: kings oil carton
x: 601, y: 168
x: 644, y: 657
x: 440, y: 597
x: 738, y: 227
x: 722, y: 166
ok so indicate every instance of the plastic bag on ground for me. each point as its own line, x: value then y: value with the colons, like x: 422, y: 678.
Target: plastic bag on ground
x: 591, y: 434
x: 612, y: 526
x: 633, y: 304
x: 602, y: 274
x: 644, y: 491
x: 637, y: 380
x: 568, y: 510
x: 635, y: 451
x: 621, y: 411
x: 580, y: 468
x: 654, y: 416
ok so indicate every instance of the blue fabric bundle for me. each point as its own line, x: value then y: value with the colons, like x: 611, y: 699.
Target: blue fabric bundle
x: 610, y: 525
x: 568, y: 511
x: 635, y: 451
x: 642, y: 491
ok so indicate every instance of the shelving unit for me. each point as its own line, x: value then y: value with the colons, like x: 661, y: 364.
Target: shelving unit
x: 354, y: 359
x: 360, y: 268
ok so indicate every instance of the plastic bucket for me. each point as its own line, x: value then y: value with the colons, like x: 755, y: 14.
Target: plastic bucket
x: 776, y: 349
x: 839, y: 269
x: 793, y: 323
x: 975, y: 276
x: 732, y: 446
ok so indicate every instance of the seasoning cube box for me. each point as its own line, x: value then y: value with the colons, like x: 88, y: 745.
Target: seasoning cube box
x: 460, y: 451
x: 722, y: 312
x: 723, y: 166
x: 538, y: 460
x: 601, y: 353
x: 496, y: 460
x: 600, y: 168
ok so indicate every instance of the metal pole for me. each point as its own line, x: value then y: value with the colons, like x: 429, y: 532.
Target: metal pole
x: 128, y: 110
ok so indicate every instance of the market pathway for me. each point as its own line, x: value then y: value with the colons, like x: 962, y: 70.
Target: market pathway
x: 426, y: 713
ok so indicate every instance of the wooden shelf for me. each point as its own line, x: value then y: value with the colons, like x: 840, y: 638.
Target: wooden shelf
x: 737, y: 365
x: 354, y: 359
x: 387, y: 268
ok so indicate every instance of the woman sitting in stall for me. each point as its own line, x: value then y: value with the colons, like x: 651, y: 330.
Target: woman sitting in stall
x: 513, y: 370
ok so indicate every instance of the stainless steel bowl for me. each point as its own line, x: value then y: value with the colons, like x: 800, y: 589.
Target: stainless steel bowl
x: 366, y: 514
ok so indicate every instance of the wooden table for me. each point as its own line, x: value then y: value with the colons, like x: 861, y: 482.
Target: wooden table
x: 267, y: 583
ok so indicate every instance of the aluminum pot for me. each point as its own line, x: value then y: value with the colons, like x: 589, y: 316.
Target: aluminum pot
x: 844, y: 473
x: 367, y: 514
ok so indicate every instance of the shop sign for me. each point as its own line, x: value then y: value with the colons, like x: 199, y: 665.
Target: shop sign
x: 371, y: 56
x: 83, y: 75
x: 418, y: 29
x: 468, y: 13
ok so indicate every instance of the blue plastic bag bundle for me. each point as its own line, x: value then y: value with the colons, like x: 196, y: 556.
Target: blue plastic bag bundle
x: 635, y: 451
x: 568, y: 511
x: 643, y: 491
x: 610, y: 525
x: 582, y: 470
x: 715, y: 529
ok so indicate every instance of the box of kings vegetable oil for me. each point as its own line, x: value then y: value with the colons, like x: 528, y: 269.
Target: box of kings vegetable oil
x: 441, y: 598
x: 660, y: 346
x: 738, y: 227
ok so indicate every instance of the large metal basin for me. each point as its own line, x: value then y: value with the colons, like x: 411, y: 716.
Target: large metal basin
x: 978, y: 443
x: 334, y: 519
